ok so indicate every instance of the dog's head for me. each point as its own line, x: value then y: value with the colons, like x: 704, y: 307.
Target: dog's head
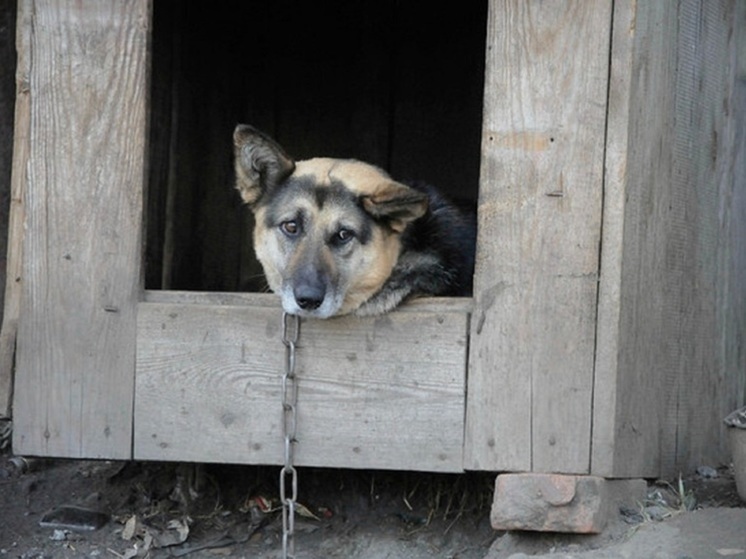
x: 328, y: 231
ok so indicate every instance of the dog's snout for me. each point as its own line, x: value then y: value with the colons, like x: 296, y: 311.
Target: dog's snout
x: 309, y: 297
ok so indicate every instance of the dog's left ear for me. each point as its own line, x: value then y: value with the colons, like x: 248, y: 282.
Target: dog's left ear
x: 260, y: 163
x: 396, y: 204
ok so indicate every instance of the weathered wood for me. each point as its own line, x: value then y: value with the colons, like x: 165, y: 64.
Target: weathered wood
x: 670, y: 299
x: 532, y: 342
x: 17, y: 152
x: 7, y: 103
x: 423, y: 304
x: 163, y: 156
x: 662, y: 130
x: 382, y: 392
x: 82, y: 252
x: 704, y: 152
x: 607, y: 380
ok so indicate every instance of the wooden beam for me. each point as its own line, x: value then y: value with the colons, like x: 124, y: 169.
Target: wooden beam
x: 88, y: 92
x: 12, y: 299
x: 533, y: 332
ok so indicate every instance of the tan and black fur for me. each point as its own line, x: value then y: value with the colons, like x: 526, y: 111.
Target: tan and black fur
x: 338, y: 236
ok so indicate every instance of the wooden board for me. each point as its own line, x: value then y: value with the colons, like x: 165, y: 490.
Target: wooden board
x: 383, y: 392
x: 620, y: 110
x: 671, y: 310
x: 707, y: 113
x: 533, y: 332
x: 82, y: 252
x: 18, y: 151
x: 8, y: 60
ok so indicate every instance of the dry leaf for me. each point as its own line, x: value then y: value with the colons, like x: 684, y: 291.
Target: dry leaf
x: 176, y: 533
x: 130, y: 527
x: 305, y: 512
x: 147, y: 542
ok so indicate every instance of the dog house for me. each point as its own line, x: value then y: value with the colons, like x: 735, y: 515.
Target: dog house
x: 601, y: 142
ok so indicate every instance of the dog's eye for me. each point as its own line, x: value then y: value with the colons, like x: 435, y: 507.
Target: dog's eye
x: 290, y: 228
x: 343, y: 236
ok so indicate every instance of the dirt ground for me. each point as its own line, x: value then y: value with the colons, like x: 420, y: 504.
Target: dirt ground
x: 164, y: 510
x: 175, y: 510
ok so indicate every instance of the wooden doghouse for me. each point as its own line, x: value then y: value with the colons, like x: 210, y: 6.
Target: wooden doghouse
x: 602, y: 143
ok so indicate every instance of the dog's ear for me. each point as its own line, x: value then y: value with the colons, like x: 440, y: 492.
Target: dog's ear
x: 260, y: 162
x: 395, y: 204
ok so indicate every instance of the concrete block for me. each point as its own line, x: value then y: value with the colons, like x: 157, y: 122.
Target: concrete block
x: 554, y: 502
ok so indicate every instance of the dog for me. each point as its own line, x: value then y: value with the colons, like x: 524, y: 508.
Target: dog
x: 339, y: 236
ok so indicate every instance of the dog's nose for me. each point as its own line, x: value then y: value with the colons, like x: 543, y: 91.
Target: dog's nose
x: 308, y: 304
x: 309, y: 298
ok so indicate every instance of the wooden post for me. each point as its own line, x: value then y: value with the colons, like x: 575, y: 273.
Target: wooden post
x: 88, y: 91
x: 533, y: 330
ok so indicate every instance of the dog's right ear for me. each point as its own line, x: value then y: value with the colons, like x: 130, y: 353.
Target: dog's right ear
x: 260, y: 163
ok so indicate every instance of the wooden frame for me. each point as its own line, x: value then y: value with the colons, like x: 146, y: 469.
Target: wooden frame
x: 611, y: 154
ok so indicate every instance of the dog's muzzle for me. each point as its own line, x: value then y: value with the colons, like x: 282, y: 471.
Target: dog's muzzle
x: 310, y: 293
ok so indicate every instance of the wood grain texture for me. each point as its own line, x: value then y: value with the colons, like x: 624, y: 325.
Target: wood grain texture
x: 417, y: 304
x: 12, y: 299
x: 620, y: 111
x: 671, y: 295
x: 82, y: 253
x: 630, y: 438
x: 8, y: 60
x: 373, y: 393
x: 531, y: 357
x: 707, y: 114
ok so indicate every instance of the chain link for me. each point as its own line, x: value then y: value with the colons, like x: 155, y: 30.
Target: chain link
x: 288, y: 473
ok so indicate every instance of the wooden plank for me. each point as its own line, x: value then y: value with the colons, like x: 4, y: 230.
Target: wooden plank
x: 635, y: 384
x: 383, y: 392
x: 531, y: 357
x: 20, y: 146
x: 732, y: 297
x: 621, y: 113
x: 669, y: 308
x: 82, y: 253
x: 8, y: 57
x: 703, y: 158
x: 420, y: 304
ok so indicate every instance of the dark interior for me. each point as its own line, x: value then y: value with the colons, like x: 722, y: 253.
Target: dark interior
x: 398, y: 84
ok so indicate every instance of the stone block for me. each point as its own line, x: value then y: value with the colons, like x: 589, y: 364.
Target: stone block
x: 551, y: 503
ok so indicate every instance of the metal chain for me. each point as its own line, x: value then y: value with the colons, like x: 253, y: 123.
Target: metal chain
x: 288, y: 473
